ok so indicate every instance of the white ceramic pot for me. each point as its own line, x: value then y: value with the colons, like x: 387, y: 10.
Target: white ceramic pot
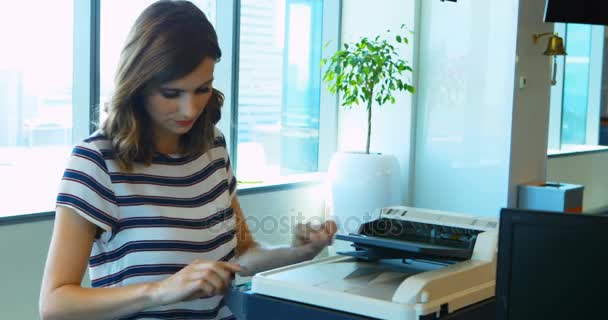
x: 360, y: 184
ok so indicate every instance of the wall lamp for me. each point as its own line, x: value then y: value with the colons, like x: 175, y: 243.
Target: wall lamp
x: 555, y: 47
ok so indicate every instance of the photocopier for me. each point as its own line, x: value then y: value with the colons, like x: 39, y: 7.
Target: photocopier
x: 407, y: 264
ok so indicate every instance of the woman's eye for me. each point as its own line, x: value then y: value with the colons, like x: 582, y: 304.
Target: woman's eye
x: 203, y: 90
x: 169, y: 94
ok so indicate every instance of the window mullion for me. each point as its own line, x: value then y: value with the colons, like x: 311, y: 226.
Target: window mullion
x: 85, y: 88
x: 227, y: 27
x: 95, y: 69
x: 328, y: 122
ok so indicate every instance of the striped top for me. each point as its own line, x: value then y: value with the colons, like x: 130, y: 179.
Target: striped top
x: 157, y: 218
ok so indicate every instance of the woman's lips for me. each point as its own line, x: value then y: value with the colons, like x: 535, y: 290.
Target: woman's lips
x: 184, y: 123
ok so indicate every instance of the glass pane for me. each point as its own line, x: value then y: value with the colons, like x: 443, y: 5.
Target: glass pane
x: 35, y: 102
x: 117, y: 17
x: 576, y: 84
x: 279, y: 88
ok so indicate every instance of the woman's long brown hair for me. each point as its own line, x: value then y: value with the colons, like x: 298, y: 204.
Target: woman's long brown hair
x: 167, y: 42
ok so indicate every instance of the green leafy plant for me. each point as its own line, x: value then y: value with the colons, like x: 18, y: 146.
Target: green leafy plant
x: 368, y: 70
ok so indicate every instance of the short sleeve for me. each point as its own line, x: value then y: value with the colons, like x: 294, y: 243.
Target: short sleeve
x: 220, y: 140
x: 86, y: 187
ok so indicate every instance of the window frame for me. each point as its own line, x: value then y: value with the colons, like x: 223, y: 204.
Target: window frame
x: 86, y: 86
x: 594, y: 93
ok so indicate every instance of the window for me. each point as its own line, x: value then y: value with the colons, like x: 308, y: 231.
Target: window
x: 279, y: 88
x: 55, y: 78
x: 35, y: 101
x: 576, y: 84
x: 575, y: 100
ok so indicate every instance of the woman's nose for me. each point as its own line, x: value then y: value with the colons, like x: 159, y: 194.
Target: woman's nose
x: 189, y: 106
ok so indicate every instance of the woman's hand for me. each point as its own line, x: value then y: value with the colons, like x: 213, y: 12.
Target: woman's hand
x: 317, y: 237
x: 201, y: 278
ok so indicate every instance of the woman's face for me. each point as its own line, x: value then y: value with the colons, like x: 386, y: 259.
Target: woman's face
x: 176, y: 105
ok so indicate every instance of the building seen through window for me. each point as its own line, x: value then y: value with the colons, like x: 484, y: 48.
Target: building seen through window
x: 279, y: 88
x: 35, y: 101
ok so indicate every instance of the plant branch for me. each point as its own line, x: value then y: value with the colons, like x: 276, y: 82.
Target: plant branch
x: 369, y: 124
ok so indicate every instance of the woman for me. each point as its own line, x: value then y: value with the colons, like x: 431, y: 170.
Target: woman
x: 149, y: 200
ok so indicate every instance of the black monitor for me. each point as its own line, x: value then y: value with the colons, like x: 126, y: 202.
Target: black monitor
x: 577, y: 11
x: 552, y: 266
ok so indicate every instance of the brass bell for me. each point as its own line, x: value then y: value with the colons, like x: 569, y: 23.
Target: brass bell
x: 555, y: 46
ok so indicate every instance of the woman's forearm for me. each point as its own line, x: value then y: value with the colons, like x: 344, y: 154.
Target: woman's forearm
x: 258, y: 259
x: 75, y: 302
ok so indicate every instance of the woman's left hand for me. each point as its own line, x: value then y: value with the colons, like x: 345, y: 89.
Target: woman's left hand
x: 315, y: 236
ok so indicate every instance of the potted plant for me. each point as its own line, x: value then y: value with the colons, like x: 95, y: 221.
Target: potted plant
x: 368, y: 72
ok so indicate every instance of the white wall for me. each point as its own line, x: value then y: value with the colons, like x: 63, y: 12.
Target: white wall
x: 465, y: 105
x: 479, y: 134
x: 391, y: 124
x: 589, y: 170
x: 530, y: 130
x: 24, y: 246
x: 270, y: 214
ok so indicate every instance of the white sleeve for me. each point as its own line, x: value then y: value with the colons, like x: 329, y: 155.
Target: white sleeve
x: 86, y: 187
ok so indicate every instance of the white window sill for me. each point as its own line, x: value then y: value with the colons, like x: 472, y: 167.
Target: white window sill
x: 573, y: 149
x: 280, y: 183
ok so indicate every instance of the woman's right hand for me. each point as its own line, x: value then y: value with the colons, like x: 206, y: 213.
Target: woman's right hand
x: 201, y: 278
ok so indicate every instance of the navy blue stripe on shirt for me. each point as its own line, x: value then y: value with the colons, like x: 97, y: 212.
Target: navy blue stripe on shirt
x: 166, y: 222
x: 91, y: 183
x: 219, y: 142
x: 87, y: 208
x: 153, y: 245
x: 232, y: 185
x: 91, y: 155
x: 228, y: 256
x: 157, y: 158
x: 160, y: 158
x: 136, y: 271
x: 198, y: 201
x: 145, y: 270
x: 195, y: 178
x: 107, y: 154
x: 176, y: 314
